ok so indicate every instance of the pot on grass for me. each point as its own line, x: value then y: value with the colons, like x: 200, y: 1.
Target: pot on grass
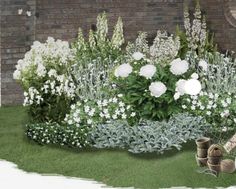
x: 214, y: 160
x: 201, y: 153
x: 214, y: 168
x: 201, y: 162
x: 203, y: 143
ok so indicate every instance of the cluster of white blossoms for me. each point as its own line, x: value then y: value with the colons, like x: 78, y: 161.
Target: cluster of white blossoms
x: 179, y: 67
x: 164, y: 47
x: 41, y: 56
x: 148, y: 71
x: 32, y: 97
x: 100, y: 111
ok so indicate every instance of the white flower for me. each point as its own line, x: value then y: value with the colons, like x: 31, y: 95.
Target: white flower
x: 184, y: 106
x: 157, y: 89
x: 234, y: 120
x: 179, y: 67
x: 224, y: 129
x: 133, y: 114
x: 28, y: 13
x: 176, y: 95
x: 180, y: 86
x: 192, y: 87
x: 89, y: 121
x: 52, y: 72
x: 228, y: 100
x: 41, y: 70
x: 123, y: 70
x: 203, y: 64
x: 86, y: 109
x: 121, y: 104
x: 193, y: 107
x: 20, y: 11
x: 208, y: 113
x: 16, y: 75
x: 147, y: 71
x: 124, y: 116
x: 137, y: 55
x: 120, y: 95
x: 114, y: 116
x: 194, y: 76
x: 202, y: 107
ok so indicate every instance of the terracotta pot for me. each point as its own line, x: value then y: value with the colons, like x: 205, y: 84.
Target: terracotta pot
x: 203, y: 142
x: 214, y: 160
x: 201, y: 162
x: 215, y: 151
x: 201, y: 153
x: 227, y: 166
x: 214, y: 168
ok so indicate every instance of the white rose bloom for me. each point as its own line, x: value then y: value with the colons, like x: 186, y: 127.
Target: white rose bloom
x: 148, y: 71
x: 177, y: 95
x: 203, y: 64
x: 192, y: 87
x: 157, y: 89
x: 123, y: 70
x: 194, y: 76
x: 179, y: 67
x: 180, y: 86
x: 138, y: 55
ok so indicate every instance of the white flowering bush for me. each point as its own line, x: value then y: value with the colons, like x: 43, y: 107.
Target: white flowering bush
x: 92, y: 112
x: 44, y: 74
x: 218, y: 109
x: 155, y: 89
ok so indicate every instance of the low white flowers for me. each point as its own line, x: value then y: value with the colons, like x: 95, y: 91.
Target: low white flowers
x: 179, y: 67
x: 203, y: 64
x: 123, y: 70
x: 20, y: 11
x: 138, y: 56
x: 148, y: 71
x: 192, y: 87
x: 157, y: 89
x: 180, y: 86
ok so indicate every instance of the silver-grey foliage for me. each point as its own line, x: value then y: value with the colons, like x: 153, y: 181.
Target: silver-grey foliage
x: 149, y: 136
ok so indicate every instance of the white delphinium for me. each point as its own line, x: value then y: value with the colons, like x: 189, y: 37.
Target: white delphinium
x: 164, y: 48
x: 179, y: 67
x: 123, y: 70
x: 147, y: 71
x: 192, y: 87
x: 137, y: 56
x: 157, y: 89
x: 102, y: 28
x: 118, y: 34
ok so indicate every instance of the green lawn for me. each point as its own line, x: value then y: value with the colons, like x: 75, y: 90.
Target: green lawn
x: 112, y: 167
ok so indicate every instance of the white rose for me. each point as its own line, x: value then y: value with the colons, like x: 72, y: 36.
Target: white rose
x: 203, y: 64
x: 192, y: 87
x: 179, y: 67
x: 157, y: 89
x: 138, y: 55
x: 148, y: 71
x: 180, y: 86
x: 123, y: 70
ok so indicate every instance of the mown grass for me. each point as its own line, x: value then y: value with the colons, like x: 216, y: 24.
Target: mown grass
x: 112, y: 167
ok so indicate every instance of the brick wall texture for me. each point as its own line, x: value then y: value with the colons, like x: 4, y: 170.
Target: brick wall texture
x: 61, y: 19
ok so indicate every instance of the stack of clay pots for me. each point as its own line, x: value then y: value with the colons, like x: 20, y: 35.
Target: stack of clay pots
x: 215, y: 156
x: 203, y: 145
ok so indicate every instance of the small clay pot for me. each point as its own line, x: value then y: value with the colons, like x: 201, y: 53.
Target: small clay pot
x: 214, y: 168
x: 214, y: 160
x: 215, y: 151
x: 201, y: 162
x: 203, y: 142
x: 201, y: 153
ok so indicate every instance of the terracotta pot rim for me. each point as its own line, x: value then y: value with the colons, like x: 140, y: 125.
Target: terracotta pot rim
x: 202, y: 140
x: 200, y: 157
x: 218, y: 165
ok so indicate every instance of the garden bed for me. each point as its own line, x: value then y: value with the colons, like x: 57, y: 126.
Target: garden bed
x: 113, y: 167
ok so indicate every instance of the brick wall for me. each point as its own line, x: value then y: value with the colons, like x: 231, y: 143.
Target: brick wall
x: 61, y: 19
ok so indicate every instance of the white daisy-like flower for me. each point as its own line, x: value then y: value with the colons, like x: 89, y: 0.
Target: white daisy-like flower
x: 193, y: 107
x: 203, y: 64
x: 157, y: 89
x: 137, y: 56
x: 123, y: 70
x: 89, y: 121
x: 192, y: 87
x: 176, y: 95
x: 179, y: 67
x: 180, y: 86
x: 208, y: 113
x: 148, y: 71
x: 224, y: 129
x: 133, y: 114
x: 184, y: 106
x: 194, y: 76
